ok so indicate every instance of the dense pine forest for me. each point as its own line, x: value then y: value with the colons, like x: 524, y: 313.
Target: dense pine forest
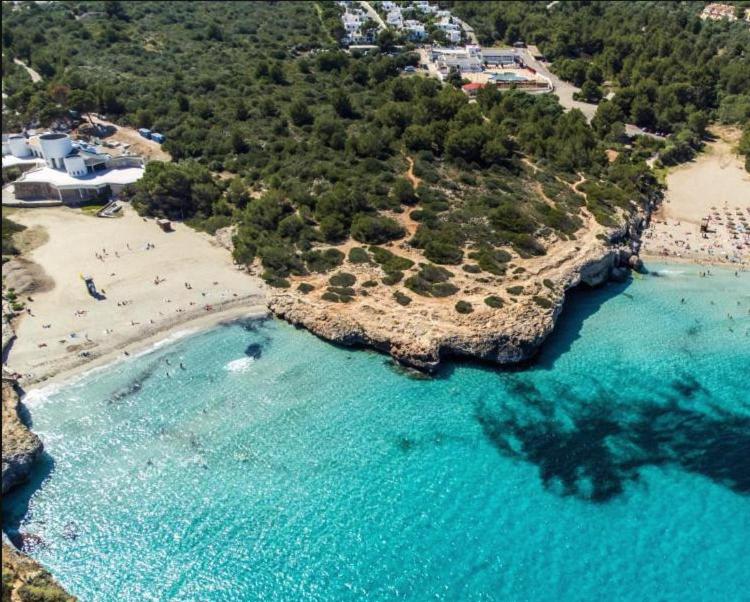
x: 313, y: 143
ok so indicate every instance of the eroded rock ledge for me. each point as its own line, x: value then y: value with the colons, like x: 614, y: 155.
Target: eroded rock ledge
x: 429, y: 329
x: 21, y: 447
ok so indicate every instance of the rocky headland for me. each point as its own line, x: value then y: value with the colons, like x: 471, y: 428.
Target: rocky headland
x: 505, y: 318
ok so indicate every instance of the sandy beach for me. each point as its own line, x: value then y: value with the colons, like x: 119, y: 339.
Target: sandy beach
x: 714, y: 186
x: 154, y: 285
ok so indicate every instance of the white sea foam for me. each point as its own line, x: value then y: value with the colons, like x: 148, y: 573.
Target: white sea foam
x: 242, y: 364
x: 36, y: 398
x: 175, y: 336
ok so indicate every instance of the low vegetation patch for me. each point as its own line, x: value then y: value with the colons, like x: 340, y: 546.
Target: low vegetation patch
x: 392, y: 278
x: 323, y: 261
x: 390, y: 262
x: 305, y: 287
x: 494, y: 301
x: 542, y: 301
x: 464, y: 307
x: 401, y: 298
x: 359, y: 255
x: 431, y: 281
x: 9, y: 228
x: 515, y: 290
x: 342, y: 279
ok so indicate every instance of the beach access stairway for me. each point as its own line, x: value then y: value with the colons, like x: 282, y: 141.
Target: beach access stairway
x: 111, y: 209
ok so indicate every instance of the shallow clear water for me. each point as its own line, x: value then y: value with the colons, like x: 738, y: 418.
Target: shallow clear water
x: 279, y: 467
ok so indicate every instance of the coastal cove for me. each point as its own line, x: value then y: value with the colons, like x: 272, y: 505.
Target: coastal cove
x: 275, y: 462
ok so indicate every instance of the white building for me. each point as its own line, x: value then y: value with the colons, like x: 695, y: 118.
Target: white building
x: 415, y: 29
x: 64, y: 169
x: 395, y: 19
x: 425, y: 7
x: 353, y: 19
x: 388, y: 6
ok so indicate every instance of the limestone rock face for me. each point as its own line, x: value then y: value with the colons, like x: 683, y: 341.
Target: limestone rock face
x: 430, y: 330
x: 21, y: 447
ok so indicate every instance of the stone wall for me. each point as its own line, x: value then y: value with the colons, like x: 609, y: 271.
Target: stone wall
x: 35, y: 190
x: 78, y: 196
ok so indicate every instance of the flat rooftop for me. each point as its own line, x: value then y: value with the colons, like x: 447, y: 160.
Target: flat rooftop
x: 11, y: 160
x: 126, y: 175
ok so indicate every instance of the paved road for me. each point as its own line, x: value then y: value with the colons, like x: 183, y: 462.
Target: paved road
x: 373, y: 14
x: 468, y: 29
x: 563, y: 89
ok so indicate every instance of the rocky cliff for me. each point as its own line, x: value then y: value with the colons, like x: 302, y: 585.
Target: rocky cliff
x: 21, y: 447
x: 25, y: 580
x: 431, y: 329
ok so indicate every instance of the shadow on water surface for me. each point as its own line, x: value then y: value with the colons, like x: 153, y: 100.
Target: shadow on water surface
x: 16, y: 502
x: 580, y: 304
x: 596, y: 446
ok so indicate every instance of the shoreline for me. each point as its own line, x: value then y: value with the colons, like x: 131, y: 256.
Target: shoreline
x: 141, y: 345
x: 697, y: 261
x: 149, y: 285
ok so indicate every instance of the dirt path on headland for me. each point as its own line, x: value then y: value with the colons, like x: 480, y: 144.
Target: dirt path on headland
x: 35, y: 77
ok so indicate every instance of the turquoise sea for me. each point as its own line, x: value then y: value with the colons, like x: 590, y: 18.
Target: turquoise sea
x: 278, y: 467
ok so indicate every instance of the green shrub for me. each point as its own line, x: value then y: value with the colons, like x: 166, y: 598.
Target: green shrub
x: 342, y: 279
x: 275, y: 280
x: 392, y: 278
x: 359, y: 255
x: 375, y: 230
x: 491, y: 260
x: 390, y: 262
x: 542, y: 301
x: 515, y: 290
x: 444, y: 289
x: 370, y: 283
x: 494, y: 301
x: 548, y: 283
x: 443, y: 252
x: 464, y: 307
x: 345, y: 291
x: 431, y: 281
x: 36, y: 593
x: 305, y: 287
x: 401, y: 298
x: 323, y: 261
x: 471, y: 268
x: 519, y: 270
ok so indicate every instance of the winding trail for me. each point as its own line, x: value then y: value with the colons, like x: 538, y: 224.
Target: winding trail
x: 373, y: 14
x: 35, y: 77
